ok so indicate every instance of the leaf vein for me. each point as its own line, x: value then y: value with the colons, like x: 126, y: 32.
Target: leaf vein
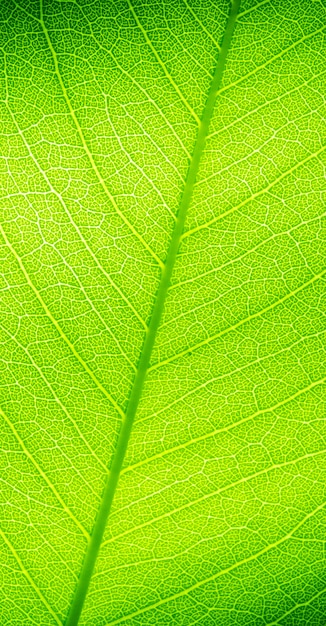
x: 162, y: 65
x: 254, y: 195
x: 86, y: 148
x: 229, y: 329
x: 58, y: 327
x: 29, y: 578
x: 227, y: 570
x: 44, y: 476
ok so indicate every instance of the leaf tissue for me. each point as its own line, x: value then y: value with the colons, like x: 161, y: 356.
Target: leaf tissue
x: 162, y: 327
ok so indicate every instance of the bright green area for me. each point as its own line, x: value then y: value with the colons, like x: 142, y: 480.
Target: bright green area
x: 220, y: 511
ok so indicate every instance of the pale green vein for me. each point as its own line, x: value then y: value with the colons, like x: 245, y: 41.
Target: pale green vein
x: 137, y: 84
x: 255, y: 195
x: 240, y: 257
x: 97, y: 312
x: 141, y: 170
x: 193, y: 391
x: 298, y: 605
x: 257, y: 150
x: 73, y: 223
x: 254, y: 8
x: 224, y: 429
x: 272, y: 59
x: 43, y: 474
x: 185, y: 396
x: 44, y: 506
x: 146, y: 352
x: 203, y: 28
x: 29, y: 578
x: 85, y: 145
x: 209, y: 303
x: 58, y: 402
x: 162, y: 65
x: 246, y: 479
x: 208, y: 496
x: 267, y: 103
x: 223, y: 572
x: 229, y: 329
x: 242, y: 481
x: 58, y: 327
x: 148, y: 98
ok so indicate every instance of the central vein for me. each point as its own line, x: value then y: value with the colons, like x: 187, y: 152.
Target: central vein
x: 138, y: 384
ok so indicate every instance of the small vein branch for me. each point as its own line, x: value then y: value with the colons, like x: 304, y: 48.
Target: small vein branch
x: 85, y: 145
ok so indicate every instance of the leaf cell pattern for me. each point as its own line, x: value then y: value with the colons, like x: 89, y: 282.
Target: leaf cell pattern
x: 116, y: 119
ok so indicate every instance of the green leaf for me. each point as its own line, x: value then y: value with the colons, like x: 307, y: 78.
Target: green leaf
x: 162, y: 328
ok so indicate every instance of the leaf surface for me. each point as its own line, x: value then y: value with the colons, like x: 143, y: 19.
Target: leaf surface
x: 162, y: 313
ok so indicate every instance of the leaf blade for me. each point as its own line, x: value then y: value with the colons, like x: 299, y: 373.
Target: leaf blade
x: 230, y: 425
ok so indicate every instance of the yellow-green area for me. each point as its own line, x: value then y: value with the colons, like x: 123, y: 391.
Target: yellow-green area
x: 162, y: 316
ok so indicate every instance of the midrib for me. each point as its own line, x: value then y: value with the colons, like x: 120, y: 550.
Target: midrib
x: 138, y: 384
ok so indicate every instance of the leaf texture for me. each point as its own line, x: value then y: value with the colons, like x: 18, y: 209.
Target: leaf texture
x: 148, y: 143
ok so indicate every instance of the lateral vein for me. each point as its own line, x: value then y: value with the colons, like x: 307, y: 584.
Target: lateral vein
x: 212, y: 494
x: 56, y: 399
x: 70, y: 217
x: 162, y: 65
x: 223, y: 332
x: 29, y: 578
x: 85, y: 146
x: 223, y: 572
x: 255, y: 195
x: 58, y: 327
x: 43, y: 474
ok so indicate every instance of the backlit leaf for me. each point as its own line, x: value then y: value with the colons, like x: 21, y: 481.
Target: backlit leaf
x: 162, y: 324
